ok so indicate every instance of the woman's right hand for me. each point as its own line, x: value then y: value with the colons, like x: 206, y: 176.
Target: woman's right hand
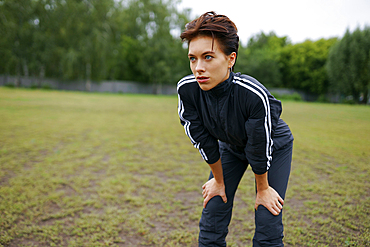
x: 212, y: 189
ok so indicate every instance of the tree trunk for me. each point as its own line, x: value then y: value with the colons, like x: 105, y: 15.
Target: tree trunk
x: 41, y: 76
x: 25, y: 68
x: 365, y: 96
x: 88, y: 77
x: 17, y: 82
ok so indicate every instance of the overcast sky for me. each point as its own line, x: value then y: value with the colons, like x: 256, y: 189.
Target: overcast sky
x: 297, y: 19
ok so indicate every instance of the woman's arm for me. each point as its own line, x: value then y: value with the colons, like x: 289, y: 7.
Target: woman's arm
x: 191, y: 121
x: 215, y: 186
x: 267, y: 196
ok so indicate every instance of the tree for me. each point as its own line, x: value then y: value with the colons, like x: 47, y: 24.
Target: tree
x: 149, y: 52
x: 17, y: 21
x: 304, y: 66
x: 348, y: 65
x: 93, y: 39
x: 261, y: 58
x: 83, y: 38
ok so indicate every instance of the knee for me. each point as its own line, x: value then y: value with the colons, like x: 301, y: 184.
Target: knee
x: 269, y: 228
x: 216, y: 216
x: 216, y: 204
x: 214, y: 223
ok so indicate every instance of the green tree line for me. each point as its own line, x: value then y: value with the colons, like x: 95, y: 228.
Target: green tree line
x: 92, y: 39
x: 335, y: 66
x: 279, y: 63
x: 138, y: 40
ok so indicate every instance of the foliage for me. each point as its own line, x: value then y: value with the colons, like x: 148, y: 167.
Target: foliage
x: 303, y: 66
x: 261, y: 58
x: 276, y: 62
x: 294, y: 97
x: 349, y: 65
x: 16, y: 29
x: 93, y: 39
x: 93, y: 169
x: 137, y: 40
x: 160, y: 57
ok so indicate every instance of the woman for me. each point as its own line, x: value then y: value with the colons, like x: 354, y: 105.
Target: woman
x: 234, y: 121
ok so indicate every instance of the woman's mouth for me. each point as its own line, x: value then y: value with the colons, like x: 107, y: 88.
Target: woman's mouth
x: 202, y: 79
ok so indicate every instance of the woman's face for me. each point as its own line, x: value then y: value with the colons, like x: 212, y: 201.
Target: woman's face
x: 209, y: 66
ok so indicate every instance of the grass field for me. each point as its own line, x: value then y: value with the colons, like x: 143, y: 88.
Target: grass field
x: 87, y: 169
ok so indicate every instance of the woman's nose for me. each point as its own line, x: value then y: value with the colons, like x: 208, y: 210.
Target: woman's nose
x: 200, y: 67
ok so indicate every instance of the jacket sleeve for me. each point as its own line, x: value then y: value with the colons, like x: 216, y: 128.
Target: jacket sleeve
x: 194, y: 129
x: 264, y: 112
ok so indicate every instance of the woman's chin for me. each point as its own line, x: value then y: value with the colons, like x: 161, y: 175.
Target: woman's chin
x: 207, y: 86
x: 204, y: 87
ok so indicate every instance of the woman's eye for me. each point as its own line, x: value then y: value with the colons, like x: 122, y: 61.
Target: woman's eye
x: 192, y: 59
x: 208, y: 57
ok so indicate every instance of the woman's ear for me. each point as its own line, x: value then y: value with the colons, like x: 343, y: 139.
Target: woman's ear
x: 232, y: 59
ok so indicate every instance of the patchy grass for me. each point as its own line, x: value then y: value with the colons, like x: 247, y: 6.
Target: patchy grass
x: 86, y: 169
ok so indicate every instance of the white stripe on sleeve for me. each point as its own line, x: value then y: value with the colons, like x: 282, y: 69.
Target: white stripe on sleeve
x: 181, y: 110
x: 267, y: 124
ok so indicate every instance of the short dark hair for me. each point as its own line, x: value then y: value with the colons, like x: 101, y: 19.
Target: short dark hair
x: 215, y: 26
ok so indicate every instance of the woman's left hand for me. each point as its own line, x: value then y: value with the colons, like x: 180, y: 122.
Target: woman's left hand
x: 270, y: 199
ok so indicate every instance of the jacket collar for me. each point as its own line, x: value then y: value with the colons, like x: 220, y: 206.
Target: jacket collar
x: 223, y: 87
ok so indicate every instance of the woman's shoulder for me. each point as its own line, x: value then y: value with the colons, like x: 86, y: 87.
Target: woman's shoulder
x: 185, y: 80
x: 253, y: 91
x: 248, y: 82
x: 189, y: 82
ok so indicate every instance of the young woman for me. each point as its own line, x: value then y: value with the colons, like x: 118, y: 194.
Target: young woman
x: 234, y: 122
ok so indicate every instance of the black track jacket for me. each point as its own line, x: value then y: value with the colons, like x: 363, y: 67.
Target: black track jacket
x: 239, y: 112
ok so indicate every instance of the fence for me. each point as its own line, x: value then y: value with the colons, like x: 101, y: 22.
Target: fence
x: 123, y: 87
x: 103, y: 86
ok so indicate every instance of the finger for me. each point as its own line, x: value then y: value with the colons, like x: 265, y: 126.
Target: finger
x: 206, y: 200
x: 281, y: 200
x: 204, y: 194
x: 273, y: 211
x: 224, y: 198
x: 205, y: 185
x: 276, y: 209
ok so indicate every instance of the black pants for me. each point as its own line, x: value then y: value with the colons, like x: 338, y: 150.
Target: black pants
x: 217, y: 214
